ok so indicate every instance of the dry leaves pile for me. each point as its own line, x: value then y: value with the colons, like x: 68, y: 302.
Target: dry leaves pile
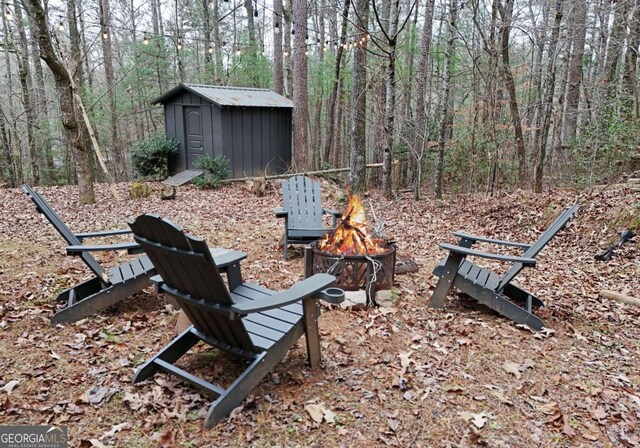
x: 404, y: 376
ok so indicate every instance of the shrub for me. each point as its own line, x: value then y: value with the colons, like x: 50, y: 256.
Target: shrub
x: 149, y: 157
x: 216, y: 168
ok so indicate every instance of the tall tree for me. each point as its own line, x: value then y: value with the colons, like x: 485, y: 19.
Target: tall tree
x: 64, y: 84
x: 119, y: 165
x: 420, y: 141
x: 446, y: 88
x: 300, y: 90
x: 332, y: 119
x: 578, y: 33
x: 506, y: 14
x: 278, y: 76
x: 549, y: 88
x: 36, y: 162
x: 357, y: 143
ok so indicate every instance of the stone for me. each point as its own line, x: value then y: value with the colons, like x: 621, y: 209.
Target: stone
x: 385, y: 298
x: 354, y: 300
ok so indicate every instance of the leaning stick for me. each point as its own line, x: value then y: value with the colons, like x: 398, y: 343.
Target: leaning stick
x: 612, y: 295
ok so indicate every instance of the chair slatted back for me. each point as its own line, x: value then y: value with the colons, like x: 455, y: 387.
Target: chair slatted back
x: 301, y: 198
x: 72, y: 240
x: 185, y: 264
x: 557, y: 225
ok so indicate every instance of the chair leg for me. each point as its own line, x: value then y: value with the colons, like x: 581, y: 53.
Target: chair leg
x: 250, y: 378
x: 311, y: 311
x: 171, y: 352
x: 445, y: 282
x: 286, y: 246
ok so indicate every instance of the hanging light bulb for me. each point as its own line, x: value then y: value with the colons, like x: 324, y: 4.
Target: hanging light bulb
x: 325, y: 48
x: 210, y: 49
x: 264, y: 53
x: 105, y: 34
x: 179, y: 44
x: 293, y: 31
x: 61, y: 26
x: 238, y: 52
x: 7, y: 13
x: 145, y: 39
x: 255, y: 13
x: 286, y: 54
x: 306, y: 53
x: 276, y: 27
x: 306, y: 38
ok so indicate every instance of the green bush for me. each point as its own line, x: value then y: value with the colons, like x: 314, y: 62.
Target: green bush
x: 149, y: 157
x: 216, y: 168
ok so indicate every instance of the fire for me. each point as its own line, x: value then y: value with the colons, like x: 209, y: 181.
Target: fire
x: 351, y: 236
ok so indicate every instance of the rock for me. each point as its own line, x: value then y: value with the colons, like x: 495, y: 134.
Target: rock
x: 354, y: 300
x: 385, y: 298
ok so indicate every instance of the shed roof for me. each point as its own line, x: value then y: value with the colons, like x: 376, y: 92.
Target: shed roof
x: 230, y: 96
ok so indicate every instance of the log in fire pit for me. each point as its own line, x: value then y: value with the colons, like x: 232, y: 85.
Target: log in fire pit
x: 357, y: 259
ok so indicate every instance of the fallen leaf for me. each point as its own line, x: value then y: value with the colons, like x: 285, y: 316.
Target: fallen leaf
x: 54, y: 355
x: 404, y: 359
x: 315, y: 411
x: 599, y: 413
x: 566, y: 427
x: 502, y: 398
x: 116, y: 428
x: 478, y: 420
x: 512, y: 367
x: 8, y: 388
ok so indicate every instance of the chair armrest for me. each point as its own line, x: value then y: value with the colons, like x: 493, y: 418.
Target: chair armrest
x: 476, y: 253
x: 308, y: 287
x: 483, y: 239
x: 227, y: 258
x: 76, y: 250
x: 328, y: 211
x: 81, y: 236
x: 281, y: 213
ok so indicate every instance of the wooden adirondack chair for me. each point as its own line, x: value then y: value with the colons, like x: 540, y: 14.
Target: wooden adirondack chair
x: 107, y: 287
x: 246, y: 320
x: 498, y: 293
x: 302, y: 212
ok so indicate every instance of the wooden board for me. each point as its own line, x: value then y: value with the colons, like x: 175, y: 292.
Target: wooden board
x: 182, y: 178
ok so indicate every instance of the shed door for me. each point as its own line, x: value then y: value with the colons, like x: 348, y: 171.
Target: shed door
x: 193, y: 134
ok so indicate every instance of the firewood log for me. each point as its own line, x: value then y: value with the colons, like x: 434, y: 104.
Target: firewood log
x: 612, y: 295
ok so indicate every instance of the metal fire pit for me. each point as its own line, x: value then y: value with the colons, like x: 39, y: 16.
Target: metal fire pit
x: 354, y: 272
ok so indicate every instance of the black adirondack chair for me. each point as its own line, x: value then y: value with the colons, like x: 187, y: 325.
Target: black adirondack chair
x: 498, y: 293
x: 302, y: 212
x: 107, y: 287
x: 245, y: 320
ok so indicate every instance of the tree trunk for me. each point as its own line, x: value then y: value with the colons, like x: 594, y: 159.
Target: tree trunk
x: 300, y: 102
x: 65, y: 96
x: 506, y: 13
x: 36, y: 161
x: 217, y: 45
x: 278, y: 76
x: 331, y: 106
x: 7, y: 168
x: 389, y: 110
x: 420, y: 142
x: 120, y: 162
x: 288, y: 72
x: 550, y: 84
x: 578, y: 34
x: 630, y: 74
x: 357, y: 144
x: 446, y: 109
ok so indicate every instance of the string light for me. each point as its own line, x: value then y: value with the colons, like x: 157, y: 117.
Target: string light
x: 306, y: 53
x: 7, y: 13
x: 61, y: 26
x: 179, y: 45
x: 286, y: 54
x: 255, y: 13
x: 276, y: 27
x: 238, y: 52
x: 145, y: 39
x: 105, y: 34
x: 210, y: 49
x: 293, y: 31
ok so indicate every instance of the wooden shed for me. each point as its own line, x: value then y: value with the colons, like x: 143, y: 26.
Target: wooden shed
x: 251, y: 127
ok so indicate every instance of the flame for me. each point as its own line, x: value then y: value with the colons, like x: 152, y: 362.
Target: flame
x: 351, y: 236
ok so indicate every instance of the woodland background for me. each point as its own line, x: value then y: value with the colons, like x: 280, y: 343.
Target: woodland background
x: 465, y: 96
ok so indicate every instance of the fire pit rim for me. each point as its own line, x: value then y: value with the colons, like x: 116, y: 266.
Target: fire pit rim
x: 391, y: 248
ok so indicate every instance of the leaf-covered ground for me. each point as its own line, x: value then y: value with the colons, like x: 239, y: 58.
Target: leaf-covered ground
x: 404, y: 376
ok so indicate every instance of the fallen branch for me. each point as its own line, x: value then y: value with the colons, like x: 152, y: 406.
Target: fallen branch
x: 306, y: 173
x: 606, y: 255
x: 612, y: 295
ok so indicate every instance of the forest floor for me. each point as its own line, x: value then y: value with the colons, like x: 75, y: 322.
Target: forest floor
x: 401, y: 376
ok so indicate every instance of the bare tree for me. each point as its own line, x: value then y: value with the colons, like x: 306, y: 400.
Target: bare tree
x: 357, y: 141
x: 578, y: 34
x: 300, y: 90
